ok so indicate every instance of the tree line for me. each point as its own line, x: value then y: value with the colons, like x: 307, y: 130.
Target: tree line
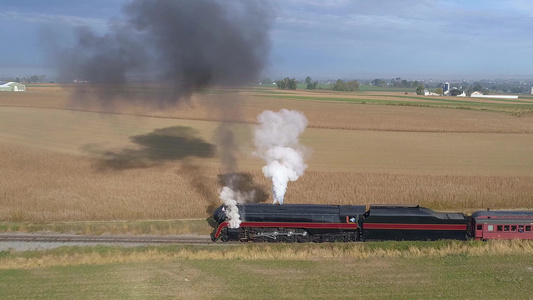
x: 28, y: 79
x: 339, y: 85
x: 420, y: 87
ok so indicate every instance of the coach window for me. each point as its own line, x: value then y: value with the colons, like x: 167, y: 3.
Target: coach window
x: 528, y: 228
x: 479, y: 226
x: 513, y: 228
x: 491, y: 227
x: 506, y: 228
x: 500, y: 228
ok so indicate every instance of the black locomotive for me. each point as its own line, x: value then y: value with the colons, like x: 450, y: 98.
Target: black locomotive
x: 328, y: 223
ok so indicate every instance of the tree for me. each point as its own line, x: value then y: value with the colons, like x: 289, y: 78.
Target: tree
x: 378, y: 82
x: 349, y: 86
x: 286, y: 84
x: 396, y: 82
x: 352, y: 86
x: 420, y: 89
x: 438, y: 91
x: 310, y: 84
x: 339, y: 85
x: 292, y: 84
x: 477, y: 87
x: 455, y: 92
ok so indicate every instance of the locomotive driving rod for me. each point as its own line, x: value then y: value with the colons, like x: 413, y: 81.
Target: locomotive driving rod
x: 274, y: 234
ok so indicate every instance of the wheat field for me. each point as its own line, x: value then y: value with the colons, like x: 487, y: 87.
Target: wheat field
x: 62, y: 161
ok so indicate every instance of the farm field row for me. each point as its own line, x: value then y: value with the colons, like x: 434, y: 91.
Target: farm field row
x: 245, y: 105
x: 427, y: 271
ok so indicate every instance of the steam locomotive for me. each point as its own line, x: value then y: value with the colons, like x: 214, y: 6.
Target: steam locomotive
x: 261, y: 222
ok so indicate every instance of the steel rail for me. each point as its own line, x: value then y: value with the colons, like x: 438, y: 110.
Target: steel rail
x: 74, y: 238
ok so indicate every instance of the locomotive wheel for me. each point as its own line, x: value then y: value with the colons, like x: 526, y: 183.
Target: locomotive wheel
x: 304, y: 238
x: 326, y: 239
x: 290, y: 237
x: 258, y: 240
x: 274, y: 238
x: 349, y: 238
x: 224, y: 235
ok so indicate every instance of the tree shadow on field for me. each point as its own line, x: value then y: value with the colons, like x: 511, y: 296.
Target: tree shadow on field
x: 157, y: 147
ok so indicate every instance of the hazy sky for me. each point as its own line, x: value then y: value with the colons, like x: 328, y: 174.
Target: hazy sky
x: 412, y: 39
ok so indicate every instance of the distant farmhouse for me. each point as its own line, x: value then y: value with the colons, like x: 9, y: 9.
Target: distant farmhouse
x: 12, y: 87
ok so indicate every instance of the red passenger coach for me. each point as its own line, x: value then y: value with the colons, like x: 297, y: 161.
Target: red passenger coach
x: 503, y: 225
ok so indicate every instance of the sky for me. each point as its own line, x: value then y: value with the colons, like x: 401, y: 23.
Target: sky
x: 412, y: 39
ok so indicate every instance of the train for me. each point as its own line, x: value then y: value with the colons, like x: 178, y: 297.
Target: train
x: 261, y: 222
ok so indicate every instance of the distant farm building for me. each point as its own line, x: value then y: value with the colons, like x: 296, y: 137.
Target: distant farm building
x: 480, y: 95
x: 12, y: 87
x: 428, y: 93
x: 446, y: 87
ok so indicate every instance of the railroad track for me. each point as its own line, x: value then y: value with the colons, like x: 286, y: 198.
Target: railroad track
x: 134, y: 239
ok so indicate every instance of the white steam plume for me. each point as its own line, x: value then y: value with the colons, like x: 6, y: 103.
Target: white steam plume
x: 228, y: 196
x: 277, y: 142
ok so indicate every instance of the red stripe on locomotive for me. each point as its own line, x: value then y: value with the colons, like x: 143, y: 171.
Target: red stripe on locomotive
x: 414, y: 226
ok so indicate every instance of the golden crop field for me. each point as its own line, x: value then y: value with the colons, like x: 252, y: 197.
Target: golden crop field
x: 83, y: 159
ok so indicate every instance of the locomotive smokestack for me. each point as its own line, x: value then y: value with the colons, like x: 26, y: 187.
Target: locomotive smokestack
x: 277, y: 142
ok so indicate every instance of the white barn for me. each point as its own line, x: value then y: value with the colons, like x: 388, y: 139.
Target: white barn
x: 12, y: 87
x: 494, y: 96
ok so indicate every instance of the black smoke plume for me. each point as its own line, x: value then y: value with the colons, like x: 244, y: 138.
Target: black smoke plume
x: 180, y: 44
x: 157, y: 53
